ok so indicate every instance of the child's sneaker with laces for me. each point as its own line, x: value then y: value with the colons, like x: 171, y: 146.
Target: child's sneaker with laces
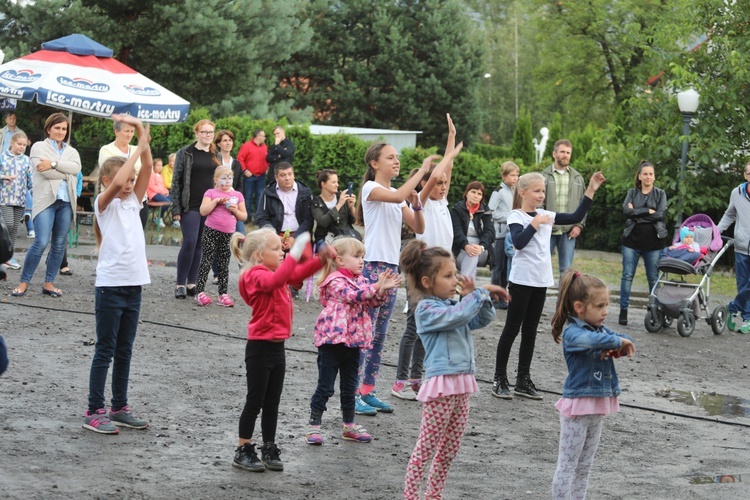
x: 270, y: 456
x: 245, y: 457
x: 312, y: 436
x: 98, y: 422
x: 362, y: 408
x: 202, y: 299
x: 354, y: 432
x: 732, y: 321
x: 402, y: 390
x: 373, y: 400
x: 745, y: 328
x: 126, y: 418
x: 225, y: 300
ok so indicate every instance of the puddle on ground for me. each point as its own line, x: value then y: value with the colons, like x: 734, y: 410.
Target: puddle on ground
x: 726, y: 478
x: 714, y: 404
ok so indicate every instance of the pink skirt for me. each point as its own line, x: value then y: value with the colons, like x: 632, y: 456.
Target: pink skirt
x: 575, y: 407
x: 447, y: 385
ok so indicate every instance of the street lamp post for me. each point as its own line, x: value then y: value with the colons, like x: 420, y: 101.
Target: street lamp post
x: 487, y: 77
x: 687, y: 100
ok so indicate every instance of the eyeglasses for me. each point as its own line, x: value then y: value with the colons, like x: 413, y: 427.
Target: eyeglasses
x: 206, y: 132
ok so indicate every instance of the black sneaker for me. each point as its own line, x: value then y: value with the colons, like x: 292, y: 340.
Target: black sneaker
x: 623, y: 319
x: 525, y: 388
x: 269, y: 455
x: 501, y: 389
x: 246, y: 458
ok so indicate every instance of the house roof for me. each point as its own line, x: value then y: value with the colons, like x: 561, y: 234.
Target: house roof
x: 332, y: 129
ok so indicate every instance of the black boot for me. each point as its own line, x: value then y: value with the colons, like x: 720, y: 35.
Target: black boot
x: 246, y: 458
x: 623, y: 317
x: 525, y: 387
x: 269, y: 455
x: 501, y: 388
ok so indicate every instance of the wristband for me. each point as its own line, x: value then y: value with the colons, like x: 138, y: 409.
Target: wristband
x: 417, y: 209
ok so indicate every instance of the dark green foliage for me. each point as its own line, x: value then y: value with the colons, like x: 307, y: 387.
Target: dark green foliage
x: 523, y: 139
x: 490, y: 151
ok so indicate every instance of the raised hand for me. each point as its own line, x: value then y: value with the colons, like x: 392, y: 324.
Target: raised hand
x: 497, y: 292
x: 451, y: 127
x: 597, y: 180
x: 428, y: 162
x: 414, y: 200
x: 467, y: 285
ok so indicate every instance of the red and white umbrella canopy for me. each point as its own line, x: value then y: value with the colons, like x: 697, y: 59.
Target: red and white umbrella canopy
x: 78, y: 74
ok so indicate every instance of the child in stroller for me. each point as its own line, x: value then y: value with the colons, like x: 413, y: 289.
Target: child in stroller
x: 687, y: 249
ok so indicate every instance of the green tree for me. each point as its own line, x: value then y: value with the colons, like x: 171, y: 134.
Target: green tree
x: 523, y: 145
x: 219, y: 54
x: 396, y: 64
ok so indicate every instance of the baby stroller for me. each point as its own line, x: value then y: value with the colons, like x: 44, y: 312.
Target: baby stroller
x: 673, y: 297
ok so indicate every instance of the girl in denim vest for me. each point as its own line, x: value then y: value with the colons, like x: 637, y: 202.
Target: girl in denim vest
x: 342, y: 330
x: 591, y: 389
x: 444, y: 326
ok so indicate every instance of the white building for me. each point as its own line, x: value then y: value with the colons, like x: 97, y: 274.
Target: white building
x: 399, y: 139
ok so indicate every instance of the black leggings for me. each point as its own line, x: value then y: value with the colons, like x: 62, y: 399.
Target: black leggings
x: 214, y: 242
x: 525, y: 309
x: 265, y: 363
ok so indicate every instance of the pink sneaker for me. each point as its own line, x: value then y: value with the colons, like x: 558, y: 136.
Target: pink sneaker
x: 203, y: 299
x: 354, y: 432
x: 225, y: 300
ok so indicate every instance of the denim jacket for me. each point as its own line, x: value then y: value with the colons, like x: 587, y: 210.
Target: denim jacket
x: 588, y: 374
x: 444, y: 326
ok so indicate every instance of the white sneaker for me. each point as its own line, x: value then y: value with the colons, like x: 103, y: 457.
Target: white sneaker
x: 159, y: 223
x: 402, y: 390
x: 176, y: 224
x: 32, y: 234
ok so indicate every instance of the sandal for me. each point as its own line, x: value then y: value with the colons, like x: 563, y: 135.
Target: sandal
x: 65, y: 271
x: 19, y: 293
x: 56, y: 293
x: 180, y: 292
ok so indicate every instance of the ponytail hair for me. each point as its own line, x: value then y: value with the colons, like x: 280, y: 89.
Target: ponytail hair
x: 109, y: 169
x: 343, y: 246
x: 245, y: 248
x: 417, y: 260
x: 372, y: 154
x: 524, y: 183
x: 574, y: 287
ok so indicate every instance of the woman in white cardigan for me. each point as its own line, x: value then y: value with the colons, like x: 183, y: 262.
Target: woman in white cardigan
x: 55, y: 164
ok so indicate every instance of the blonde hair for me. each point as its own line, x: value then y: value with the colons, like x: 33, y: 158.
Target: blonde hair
x: 245, y: 248
x: 109, y: 169
x: 574, y: 287
x: 508, y: 167
x: 343, y: 246
x: 221, y: 171
x: 524, y: 183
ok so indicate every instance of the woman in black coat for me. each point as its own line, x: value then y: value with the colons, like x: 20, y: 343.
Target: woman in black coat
x: 473, y: 231
x: 332, y: 210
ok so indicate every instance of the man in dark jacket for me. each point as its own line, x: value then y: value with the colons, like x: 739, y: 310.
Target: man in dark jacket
x: 285, y: 205
x: 281, y: 151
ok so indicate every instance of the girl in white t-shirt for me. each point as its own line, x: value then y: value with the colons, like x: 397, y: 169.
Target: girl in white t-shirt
x: 530, y: 229
x: 120, y: 273
x: 382, y: 209
x: 438, y: 232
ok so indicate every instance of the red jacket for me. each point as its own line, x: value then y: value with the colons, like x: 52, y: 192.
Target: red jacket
x: 253, y: 157
x: 267, y: 293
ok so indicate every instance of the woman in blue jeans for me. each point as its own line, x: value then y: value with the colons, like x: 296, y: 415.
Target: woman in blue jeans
x: 644, y: 234
x: 55, y: 164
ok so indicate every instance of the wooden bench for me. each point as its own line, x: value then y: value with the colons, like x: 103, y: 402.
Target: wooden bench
x: 154, y: 211
x: 85, y: 218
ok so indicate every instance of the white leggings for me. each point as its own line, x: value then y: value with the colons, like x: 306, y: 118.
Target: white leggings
x: 579, y: 439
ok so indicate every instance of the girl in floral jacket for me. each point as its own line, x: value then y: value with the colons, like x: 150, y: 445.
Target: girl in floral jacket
x: 343, y: 328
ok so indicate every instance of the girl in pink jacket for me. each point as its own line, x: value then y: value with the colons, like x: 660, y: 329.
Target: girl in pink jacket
x: 342, y: 330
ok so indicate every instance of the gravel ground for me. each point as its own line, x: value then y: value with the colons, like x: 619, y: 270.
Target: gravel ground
x: 188, y: 378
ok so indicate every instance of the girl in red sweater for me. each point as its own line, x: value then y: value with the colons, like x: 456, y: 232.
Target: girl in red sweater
x: 264, y: 281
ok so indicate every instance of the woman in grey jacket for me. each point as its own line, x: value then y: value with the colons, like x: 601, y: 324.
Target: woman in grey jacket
x: 55, y: 164
x: 644, y: 234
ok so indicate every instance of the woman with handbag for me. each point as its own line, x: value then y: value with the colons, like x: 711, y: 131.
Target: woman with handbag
x: 644, y: 234
x: 333, y: 211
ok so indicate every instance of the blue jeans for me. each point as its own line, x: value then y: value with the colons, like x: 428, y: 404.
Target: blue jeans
x: 117, y: 310
x: 510, y: 252
x: 253, y: 191
x: 630, y: 258
x: 336, y: 359
x: 52, y: 224
x: 29, y: 203
x: 741, y: 303
x: 369, y: 360
x: 566, y: 247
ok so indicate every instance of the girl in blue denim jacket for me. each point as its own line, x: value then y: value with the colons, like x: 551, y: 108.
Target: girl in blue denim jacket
x: 444, y: 326
x: 591, y: 388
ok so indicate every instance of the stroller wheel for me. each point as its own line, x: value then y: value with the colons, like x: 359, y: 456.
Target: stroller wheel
x: 686, y: 324
x: 667, y: 321
x: 719, y: 320
x: 653, y: 320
